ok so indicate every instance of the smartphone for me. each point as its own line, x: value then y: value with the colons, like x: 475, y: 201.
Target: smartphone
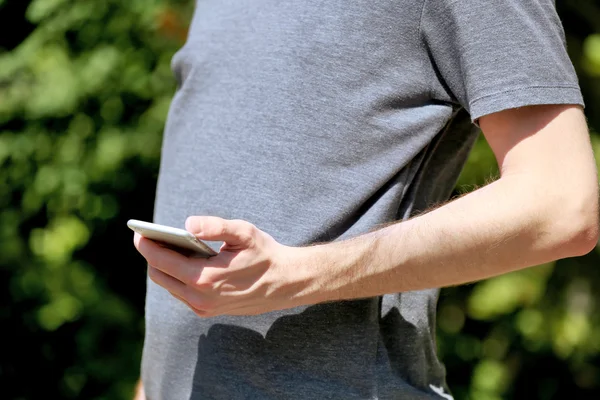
x: 176, y: 239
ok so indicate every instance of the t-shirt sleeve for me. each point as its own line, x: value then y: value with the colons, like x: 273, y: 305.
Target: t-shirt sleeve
x: 493, y: 55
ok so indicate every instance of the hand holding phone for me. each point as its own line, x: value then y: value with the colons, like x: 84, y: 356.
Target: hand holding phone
x: 176, y: 239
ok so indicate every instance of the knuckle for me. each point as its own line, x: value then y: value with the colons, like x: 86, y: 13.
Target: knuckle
x: 221, y: 228
x: 189, y: 278
x: 196, y: 304
x: 201, y: 305
x: 204, y: 283
x: 250, y: 231
x: 153, y: 274
x: 246, y: 231
x: 194, y: 299
x: 210, y: 280
x: 245, y: 226
x: 152, y: 259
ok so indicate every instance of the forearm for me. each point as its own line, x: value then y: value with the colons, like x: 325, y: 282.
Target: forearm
x: 544, y: 207
x: 485, y: 233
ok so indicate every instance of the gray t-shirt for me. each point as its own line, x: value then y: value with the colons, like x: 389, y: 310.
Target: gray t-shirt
x: 316, y: 121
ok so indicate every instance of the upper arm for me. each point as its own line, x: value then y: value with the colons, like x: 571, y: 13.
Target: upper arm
x: 551, y: 140
x: 507, y: 64
x: 546, y: 152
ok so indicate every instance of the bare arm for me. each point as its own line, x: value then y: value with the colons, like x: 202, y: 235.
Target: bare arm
x: 544, y: 207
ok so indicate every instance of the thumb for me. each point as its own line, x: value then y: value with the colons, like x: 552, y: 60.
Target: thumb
x: 235, y: 233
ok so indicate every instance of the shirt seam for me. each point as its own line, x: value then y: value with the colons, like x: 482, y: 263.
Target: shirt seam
x: 556, y: 86
x: 421, y: 18
x: 424, y: 44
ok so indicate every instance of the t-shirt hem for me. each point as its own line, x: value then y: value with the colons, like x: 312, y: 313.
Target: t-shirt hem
x: 525, y: 96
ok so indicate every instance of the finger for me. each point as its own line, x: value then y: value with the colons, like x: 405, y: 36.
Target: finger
x: 184, y: 301
x: 174, y: 286
x: 168, y: 261
x: 199, y: 303
x: 198, y: 311
x: 235, y: 233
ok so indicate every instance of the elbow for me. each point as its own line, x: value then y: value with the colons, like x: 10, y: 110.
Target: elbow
x: 579, y: 227
x: 584, y: 238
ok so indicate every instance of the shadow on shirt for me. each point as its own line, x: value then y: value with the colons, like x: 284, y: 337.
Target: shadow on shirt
x: 326, y: 351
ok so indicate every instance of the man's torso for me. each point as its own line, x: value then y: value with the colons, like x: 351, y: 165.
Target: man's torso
x: 314, y: 121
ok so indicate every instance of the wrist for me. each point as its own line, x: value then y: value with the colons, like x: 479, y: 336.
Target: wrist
x: 337, y: 270
x: 304, y: 273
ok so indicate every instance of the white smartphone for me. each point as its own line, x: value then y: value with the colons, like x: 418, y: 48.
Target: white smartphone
x: 176, y: 239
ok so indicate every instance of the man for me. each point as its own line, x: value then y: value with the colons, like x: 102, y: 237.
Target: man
x: 298, y: 129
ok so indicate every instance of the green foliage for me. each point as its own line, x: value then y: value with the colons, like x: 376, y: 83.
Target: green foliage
x: 83, y: 100
x: 84, y: 92
x: 591, y: 51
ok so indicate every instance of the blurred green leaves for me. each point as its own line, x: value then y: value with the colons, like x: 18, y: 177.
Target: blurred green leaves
x: 507, y: 293
x: 40, y: 9
x: 591, y: 51
x: 56, y: 243
x: 83, y: 101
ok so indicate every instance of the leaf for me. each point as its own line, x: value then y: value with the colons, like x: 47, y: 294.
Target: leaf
x: 41, y: 9
x: 591, y: 52
x: 504, y: 294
